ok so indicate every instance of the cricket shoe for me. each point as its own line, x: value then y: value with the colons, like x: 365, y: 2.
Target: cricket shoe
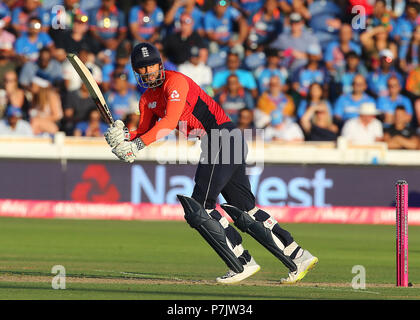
x: 232, y: 277
x: 304, y: 263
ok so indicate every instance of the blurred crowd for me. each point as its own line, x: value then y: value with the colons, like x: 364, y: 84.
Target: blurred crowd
x: 302, y: 70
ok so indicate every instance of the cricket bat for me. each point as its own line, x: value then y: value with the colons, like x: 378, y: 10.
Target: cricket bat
x: 92, y: 87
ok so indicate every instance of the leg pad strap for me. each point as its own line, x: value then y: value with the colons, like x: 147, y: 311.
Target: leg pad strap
x: 259, y: 232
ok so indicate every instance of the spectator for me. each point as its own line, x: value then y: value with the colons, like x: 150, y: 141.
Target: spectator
x: 30, y: 9
x: 326, y: 18
x: 248, y: 8
x: 317, y: 123
x: 45, y: 65
x: 412, y: 87
x: 413, y: 82
x: 94, y: 127
x: 5, y: 16
x: 377, y: 80
x: 386, y: 41
x: 396, y: 7
x: 283, y: 129
x: 13, y: 125
x: 68, y: 123
x: 145, y: 21
x: 405, y: 25
x: 197, y: 70
x: 80, y: 102
x: 62, y: 21
x: 285, y: 6
x: 15, y: 95
x: 296, y: 42
x: 245, y: 77
x: 388, y: 104
x: 273, y: 99
x: 245, y: 119
x: 107, y: 25
x: 7, y: 39
x: 409, y: 57
x: 272, y: 68
x: 132, y: 120
x: 347, y: 105
x: 364, y: 129
x: 71, y: 78
x: 343, y: 78
x: 381, y: 16
x: 374, y: 41
x: 265, y: 25
x: 234, y: 98
x: 121, y: 99
x: 177, y: 45
x: 72, y: 40
x: 122, y: 64
x: 315, y: 97
x: 300, y: 7
x: 167, y: 63
x: 310, y: 73
x: 174, y: 15
x: 7, y: 61
x: 401, y: 135
x: 3, y: 102
x: 46, y: 110
x: 219, y: 29
x: 46, y: 4
x: 28, y: 45
x: 60, y: 55
x: 90, y: 5
x: 336, y: 51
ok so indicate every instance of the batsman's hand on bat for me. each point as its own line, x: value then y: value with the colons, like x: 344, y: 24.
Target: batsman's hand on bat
x: 128, y: 150
x: 116, y: 134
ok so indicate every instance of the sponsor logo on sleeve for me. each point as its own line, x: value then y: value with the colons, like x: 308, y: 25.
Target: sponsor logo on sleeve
x: 174, y: 96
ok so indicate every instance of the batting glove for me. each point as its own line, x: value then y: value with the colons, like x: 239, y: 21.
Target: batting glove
x: 116, y: 134
x: 128, y: 150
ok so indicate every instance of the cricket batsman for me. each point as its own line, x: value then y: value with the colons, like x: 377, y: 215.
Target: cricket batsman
x: 172, y: 99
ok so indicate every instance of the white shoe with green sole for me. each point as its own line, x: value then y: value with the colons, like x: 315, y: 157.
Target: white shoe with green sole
x: 304, y: 263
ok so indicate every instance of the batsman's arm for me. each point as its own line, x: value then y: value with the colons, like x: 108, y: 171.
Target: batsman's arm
x: 176, y: 91
x: 162, y: 128
x: 147, y: 119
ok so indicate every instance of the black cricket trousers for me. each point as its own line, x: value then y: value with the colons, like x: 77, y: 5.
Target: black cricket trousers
x: 222, y: 169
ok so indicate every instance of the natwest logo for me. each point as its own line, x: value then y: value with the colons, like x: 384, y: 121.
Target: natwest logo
x: 96, y: 186
x: 161, y: 187
x: 175, y: 95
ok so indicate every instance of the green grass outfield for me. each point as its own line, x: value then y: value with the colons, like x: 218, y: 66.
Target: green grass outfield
x: 169, y: 260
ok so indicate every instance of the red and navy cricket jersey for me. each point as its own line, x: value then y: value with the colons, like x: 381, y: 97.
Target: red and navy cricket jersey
x: 180, y: 104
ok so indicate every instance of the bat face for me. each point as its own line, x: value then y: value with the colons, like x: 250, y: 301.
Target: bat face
x: 92, y: 87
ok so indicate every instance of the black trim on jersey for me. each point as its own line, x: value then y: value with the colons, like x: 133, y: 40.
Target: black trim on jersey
x: 202, y: 113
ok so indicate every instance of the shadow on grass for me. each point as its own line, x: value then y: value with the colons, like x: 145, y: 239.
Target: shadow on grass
x: 145, y: 293
x: 124, y: 275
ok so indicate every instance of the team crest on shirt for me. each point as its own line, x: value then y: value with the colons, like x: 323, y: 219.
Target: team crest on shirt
x: 152, y: 105
x: 175, y: 96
